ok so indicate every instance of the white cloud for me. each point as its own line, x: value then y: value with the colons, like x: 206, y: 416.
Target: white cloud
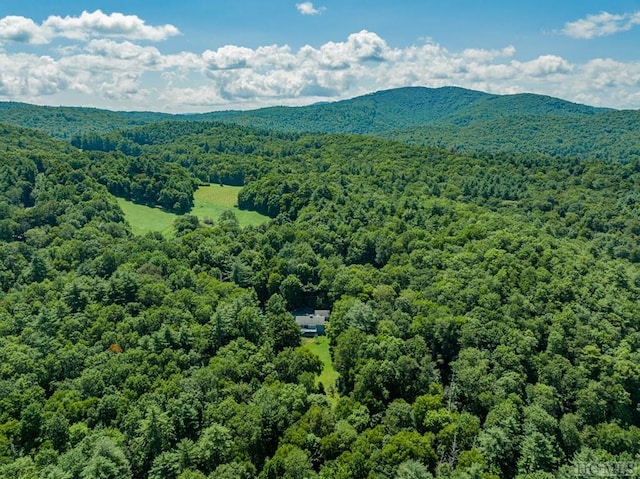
x: 229, y: 57
x: 479, y: 54
x: 23, y: 75
x: 95, y: 24
x: 360, y: 47
x: 21, y: 29
x: 544, y: 66
x: 85, y: 27
x: 103, y: 65
x: 307, y: 8
x: 126, y: 50
x: 601, y: 25
x: 124, y: 86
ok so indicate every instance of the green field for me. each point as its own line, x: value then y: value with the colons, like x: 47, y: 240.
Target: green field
x: 209, y: 202
x: 143, y: 219
x: 320, y: 346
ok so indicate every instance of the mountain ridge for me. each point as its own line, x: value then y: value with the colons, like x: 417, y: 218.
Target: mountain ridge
x: 406, y: 106
x: 448, y: 117
x: 446, y: 101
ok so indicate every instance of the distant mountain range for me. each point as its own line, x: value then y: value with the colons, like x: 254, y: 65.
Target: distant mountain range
x: 401, y: 108
x: 66, y: 122
x: 448, y: 117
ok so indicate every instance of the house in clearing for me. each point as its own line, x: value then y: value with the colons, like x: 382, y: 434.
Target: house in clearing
x: 311, y: 321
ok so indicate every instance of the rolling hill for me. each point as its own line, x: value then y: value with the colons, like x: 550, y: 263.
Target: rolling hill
x: 449, y: 117
x: 465, y: 120
x: 402, y: 108
x: 66, y: 122
x: 483, y: 307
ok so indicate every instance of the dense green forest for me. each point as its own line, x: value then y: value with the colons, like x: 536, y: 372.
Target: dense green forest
x: 464, y: 120
x: 484, y: 309
x: 611, y: 136
x: 66, y: 122
x: 452, y: 118
x: 403, y: 108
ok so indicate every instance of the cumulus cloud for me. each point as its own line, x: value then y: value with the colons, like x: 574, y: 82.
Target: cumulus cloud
x: 307, y: 8
x: 229, y: 57
x: 114, y: 70
x: 601, y: 25
x: 360, y: 47
x: 126, y: 50
x: 26, y: 75
x: 544, y: 66
x: 21, y: 29
x: 86, y: 26
x: 97, y: 23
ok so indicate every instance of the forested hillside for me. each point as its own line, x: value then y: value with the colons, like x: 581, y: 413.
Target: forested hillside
x: 403, y: 108
x: 66, y: 122
x: 611, y: 136
x: 465, y: 120
x: 453, y: 118
x: 484, y: 309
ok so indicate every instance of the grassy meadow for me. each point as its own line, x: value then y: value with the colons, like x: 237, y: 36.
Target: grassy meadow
x: 143, y: 219
x: 209, y: 202
x: 320, y: 346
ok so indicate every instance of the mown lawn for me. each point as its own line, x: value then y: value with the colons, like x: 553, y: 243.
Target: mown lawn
x: 209, y: 202
x: 320, y: 346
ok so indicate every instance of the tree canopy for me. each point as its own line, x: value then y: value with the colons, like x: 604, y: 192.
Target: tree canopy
x: 483, y: 308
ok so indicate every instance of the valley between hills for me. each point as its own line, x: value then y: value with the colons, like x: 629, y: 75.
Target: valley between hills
x: 478, y: 256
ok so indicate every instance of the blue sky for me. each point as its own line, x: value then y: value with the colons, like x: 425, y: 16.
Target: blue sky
x: 203, y: 55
